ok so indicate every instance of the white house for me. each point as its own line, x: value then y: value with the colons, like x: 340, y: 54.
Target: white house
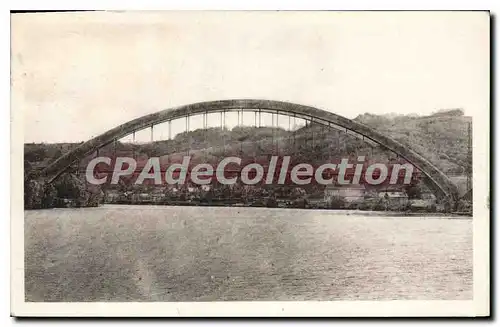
x: 394, y: 196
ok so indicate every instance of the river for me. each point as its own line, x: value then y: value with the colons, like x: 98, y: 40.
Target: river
x: 162, y: 253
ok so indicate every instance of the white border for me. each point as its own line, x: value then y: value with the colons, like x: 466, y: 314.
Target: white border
x: 257, y: 308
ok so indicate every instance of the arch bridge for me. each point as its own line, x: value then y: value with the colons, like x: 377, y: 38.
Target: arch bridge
x: 438, y: 182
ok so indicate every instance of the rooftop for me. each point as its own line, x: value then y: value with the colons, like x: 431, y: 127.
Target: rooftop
x: 348, y: 186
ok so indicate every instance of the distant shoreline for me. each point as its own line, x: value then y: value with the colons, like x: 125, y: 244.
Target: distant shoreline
x: 348, y: 212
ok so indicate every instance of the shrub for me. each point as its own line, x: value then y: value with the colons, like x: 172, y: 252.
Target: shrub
x: 271, y: 203
x: 379, y: 205
x: 337, y: 203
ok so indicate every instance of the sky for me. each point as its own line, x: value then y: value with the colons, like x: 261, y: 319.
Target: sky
x: 76, y: 75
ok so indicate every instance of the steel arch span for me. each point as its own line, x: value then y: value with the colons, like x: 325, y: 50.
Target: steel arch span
x: 442, y: 186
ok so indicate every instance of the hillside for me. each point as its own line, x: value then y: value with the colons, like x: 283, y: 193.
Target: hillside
x: 442, y: 138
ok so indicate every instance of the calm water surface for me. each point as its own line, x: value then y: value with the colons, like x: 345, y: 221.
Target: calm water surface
x: 160, y: 253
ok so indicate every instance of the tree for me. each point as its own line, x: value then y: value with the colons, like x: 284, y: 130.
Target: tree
x: 69, y: 186
x: 36, y: 153
x: 337, y: 202
x: 49, y: 199
x: 39, y: 195
x: 33, y: 194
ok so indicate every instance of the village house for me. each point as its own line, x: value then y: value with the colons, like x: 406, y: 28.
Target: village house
x: 395, y: 197
x: 427, y: 201
x: 112, y: 196
x: 348, y: 193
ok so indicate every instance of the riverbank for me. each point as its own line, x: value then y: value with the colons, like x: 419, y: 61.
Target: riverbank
x: 337, y: 210
x: 348, y: 212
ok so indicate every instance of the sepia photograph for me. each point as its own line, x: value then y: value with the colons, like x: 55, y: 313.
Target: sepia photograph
x: 284, y: 163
